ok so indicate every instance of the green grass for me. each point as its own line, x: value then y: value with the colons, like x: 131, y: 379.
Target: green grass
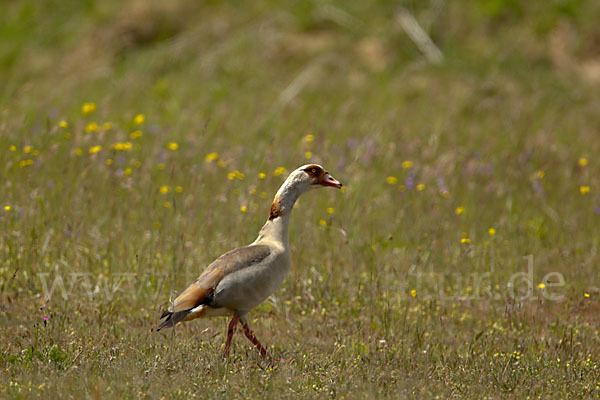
x: 393, y: 293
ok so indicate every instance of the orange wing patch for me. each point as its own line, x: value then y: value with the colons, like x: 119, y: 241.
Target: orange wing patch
x: 198, y: 291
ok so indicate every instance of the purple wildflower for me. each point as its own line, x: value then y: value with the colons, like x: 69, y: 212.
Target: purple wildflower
x: 409, y: 182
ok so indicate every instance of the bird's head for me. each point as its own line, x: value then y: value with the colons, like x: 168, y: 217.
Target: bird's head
x: 313, y: 176
x: 302, y: 179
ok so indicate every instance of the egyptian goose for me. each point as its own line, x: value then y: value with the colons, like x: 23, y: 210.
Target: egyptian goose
x: 241, y: 279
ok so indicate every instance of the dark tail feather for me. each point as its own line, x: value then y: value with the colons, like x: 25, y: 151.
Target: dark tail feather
x: 172, y: 318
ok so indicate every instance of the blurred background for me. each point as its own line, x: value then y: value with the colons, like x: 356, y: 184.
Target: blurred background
x: 201, y: 61
x: 489, y: 102
x: 147, y: 137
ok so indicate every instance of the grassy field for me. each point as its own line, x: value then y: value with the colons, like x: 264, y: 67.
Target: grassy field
x: 141, y: 139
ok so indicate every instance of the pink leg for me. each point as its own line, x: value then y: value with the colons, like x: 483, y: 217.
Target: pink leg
x: 230, y: 332
x: 250, y: 335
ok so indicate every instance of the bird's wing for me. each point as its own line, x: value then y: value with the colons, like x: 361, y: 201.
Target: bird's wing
x: 201, y: 290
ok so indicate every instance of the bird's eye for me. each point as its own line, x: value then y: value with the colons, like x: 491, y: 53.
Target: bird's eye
x: 314, y: 170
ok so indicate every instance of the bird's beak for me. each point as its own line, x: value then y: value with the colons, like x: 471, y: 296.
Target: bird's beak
x: 329, y: 180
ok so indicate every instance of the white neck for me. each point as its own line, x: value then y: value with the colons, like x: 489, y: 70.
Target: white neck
x: 275, y: 230
x: 276, y: 227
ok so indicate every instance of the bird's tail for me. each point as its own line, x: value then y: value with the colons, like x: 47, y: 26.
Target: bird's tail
x: 173, y: 318
x: 186, y: 303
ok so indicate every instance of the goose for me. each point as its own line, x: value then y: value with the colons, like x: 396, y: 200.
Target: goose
x: 242, y: 278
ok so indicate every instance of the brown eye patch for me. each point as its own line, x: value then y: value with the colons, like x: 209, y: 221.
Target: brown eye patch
x: 314, y: 171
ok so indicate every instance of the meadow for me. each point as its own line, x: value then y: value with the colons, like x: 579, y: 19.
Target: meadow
x: 139, y: 140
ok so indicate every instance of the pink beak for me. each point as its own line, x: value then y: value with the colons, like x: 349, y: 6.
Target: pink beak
x: 329, y: 180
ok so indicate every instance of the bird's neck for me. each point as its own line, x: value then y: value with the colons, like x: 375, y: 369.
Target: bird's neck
x: 275, y: 230
x: 276, y: 227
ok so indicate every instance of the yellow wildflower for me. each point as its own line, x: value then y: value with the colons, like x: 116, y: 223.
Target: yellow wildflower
x: 459, y: 210
x: 88, y: 108
x: 25, y: 163
x: 309, y: 138
x: 243, y: 209
x: 541, y: 285
x: 78, y: 151
x: 584, y: 190
x: 392, y: 180
x: 92, y: 127
x: 330, y: 210
x: 584, y: 295
x: 179, y: 189
x: 322, y: 222
x: 7, y: 208
x: 401, y: 188
x: 63, y: 124
x: 107, y: 126
x: 492, y: 231
x: 166, y: 204
x: 279, y: 171
x: 236, y: 175
x: 27, y: 149
x: 413, y: 293
x: 262, y: 175
x: 136, y: 134
x: 128, y: 171
x: 95, y: 149
x: 172, y: 146
x: 420, y: 187
x: 12, y: 147
x: 210, y: 157
x: 307, y: 155
x: 407, y: 164
x: 136, y: 163
x: 583, y: 161
x: 139, y: 119
x: 540, y: 174
x: 108, y: 161
x: 36, y: 153
x: 126, y: 146
x: 465, y: 240
x: 164, y: 189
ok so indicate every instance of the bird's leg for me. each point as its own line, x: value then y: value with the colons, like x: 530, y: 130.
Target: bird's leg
x: 230, y: 331
x: 250, y: 335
